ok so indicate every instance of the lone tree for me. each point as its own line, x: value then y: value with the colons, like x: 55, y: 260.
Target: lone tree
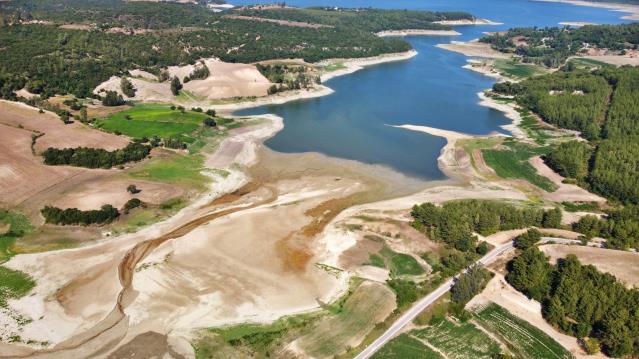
x: 209, y: 122
x: 176, y: 86
x: 133, y: 189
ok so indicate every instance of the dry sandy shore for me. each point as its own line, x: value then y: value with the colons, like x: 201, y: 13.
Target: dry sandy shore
x: 474, y: 48
x: 468, y: 22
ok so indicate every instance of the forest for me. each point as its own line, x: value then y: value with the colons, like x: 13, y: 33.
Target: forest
x: 71, y: 216
x: 164, y: 34
x: 366, y: 19
x: 95, y: 157
x: 601, y: 105
x: 552, y: 46
x: 580, y: 301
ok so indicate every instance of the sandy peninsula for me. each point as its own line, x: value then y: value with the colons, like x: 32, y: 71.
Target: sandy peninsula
x: 474, y: 48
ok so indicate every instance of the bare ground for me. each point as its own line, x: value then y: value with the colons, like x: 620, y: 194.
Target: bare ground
x: 622, y: 264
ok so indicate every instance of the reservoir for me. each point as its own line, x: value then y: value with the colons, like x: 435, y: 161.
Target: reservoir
x: 430, y: 89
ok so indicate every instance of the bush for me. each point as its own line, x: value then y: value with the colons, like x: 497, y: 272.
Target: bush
x: 528, y: 239
x: 131, y: 204
x: 112, y: 98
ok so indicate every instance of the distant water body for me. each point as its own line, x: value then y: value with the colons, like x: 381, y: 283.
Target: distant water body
x: 431, y: 89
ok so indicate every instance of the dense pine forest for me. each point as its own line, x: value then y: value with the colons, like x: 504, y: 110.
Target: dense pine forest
x: 552, y: 46
x: 603, y: 105
x: 580, y: 301
x: 117, y: 36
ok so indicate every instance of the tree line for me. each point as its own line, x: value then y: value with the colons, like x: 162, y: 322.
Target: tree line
x: 95, y: 157
x: 73, y: 216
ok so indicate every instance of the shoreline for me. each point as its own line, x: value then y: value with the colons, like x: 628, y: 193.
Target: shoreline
x: 630, y: 9
x: 466, y: 22
x: 417, y: 32
x: 351, y: 66
x: 509, y: 111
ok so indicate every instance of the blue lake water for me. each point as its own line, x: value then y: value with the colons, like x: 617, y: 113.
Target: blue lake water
x: 431, y: 89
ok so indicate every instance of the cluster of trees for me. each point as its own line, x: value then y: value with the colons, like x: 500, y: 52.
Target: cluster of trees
x: 469, y: 284
x: 620, y: 227
x: 95, y: 157
x: 76, y: 61
x: 602, y: 105
x: 455, y: 222
x: 132, y: 204
x: 127, y: 87
x: 551, y: 46
x: 575, y: 100
x: 527, y: 239
x: 580, y: 300
x: 288, y: 77
x: 200, y: 72
x: 106, y: 214
x: 112, y: 98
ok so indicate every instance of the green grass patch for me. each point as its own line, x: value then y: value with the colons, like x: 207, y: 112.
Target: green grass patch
x: 512, y: 68
x: 458, y: 340
x: 536, y: 131
x: 399, y: 263
x: 13, y: 226
x: 512, y: 162
x: 406, y: 347
x: 153, y: 120
x: 471, y: 145
x: 581, y: 62
x: 377, y: 261
x: 334, y: 67
x: 177, y: 168
x: 13, y: 284
x: 522, y: 338
x: 581, y: 206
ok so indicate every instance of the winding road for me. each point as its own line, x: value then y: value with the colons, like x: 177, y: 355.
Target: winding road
x: 432, y: 297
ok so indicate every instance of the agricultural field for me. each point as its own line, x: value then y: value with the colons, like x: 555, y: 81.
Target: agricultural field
x: 399, y: 264
x: 406, y: 347
x: 521, y: 337
x: 458, y: 340
x: 512, y: 162
x: 153, y: 120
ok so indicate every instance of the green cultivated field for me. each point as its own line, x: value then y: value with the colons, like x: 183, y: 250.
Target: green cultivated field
x: 513, y: 163
x: 406, y: 347
x: 458, y: 340
x: 153, y: 120
x: 520, y: 336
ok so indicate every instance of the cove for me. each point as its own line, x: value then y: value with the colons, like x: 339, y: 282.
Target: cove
x: 430, y: 89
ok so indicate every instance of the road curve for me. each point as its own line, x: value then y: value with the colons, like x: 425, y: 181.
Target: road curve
x: 429, y: 299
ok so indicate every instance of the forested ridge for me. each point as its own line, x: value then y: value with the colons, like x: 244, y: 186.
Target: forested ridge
x: 580, y: 301
x: 552, y: 46
x: 48, y: 59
